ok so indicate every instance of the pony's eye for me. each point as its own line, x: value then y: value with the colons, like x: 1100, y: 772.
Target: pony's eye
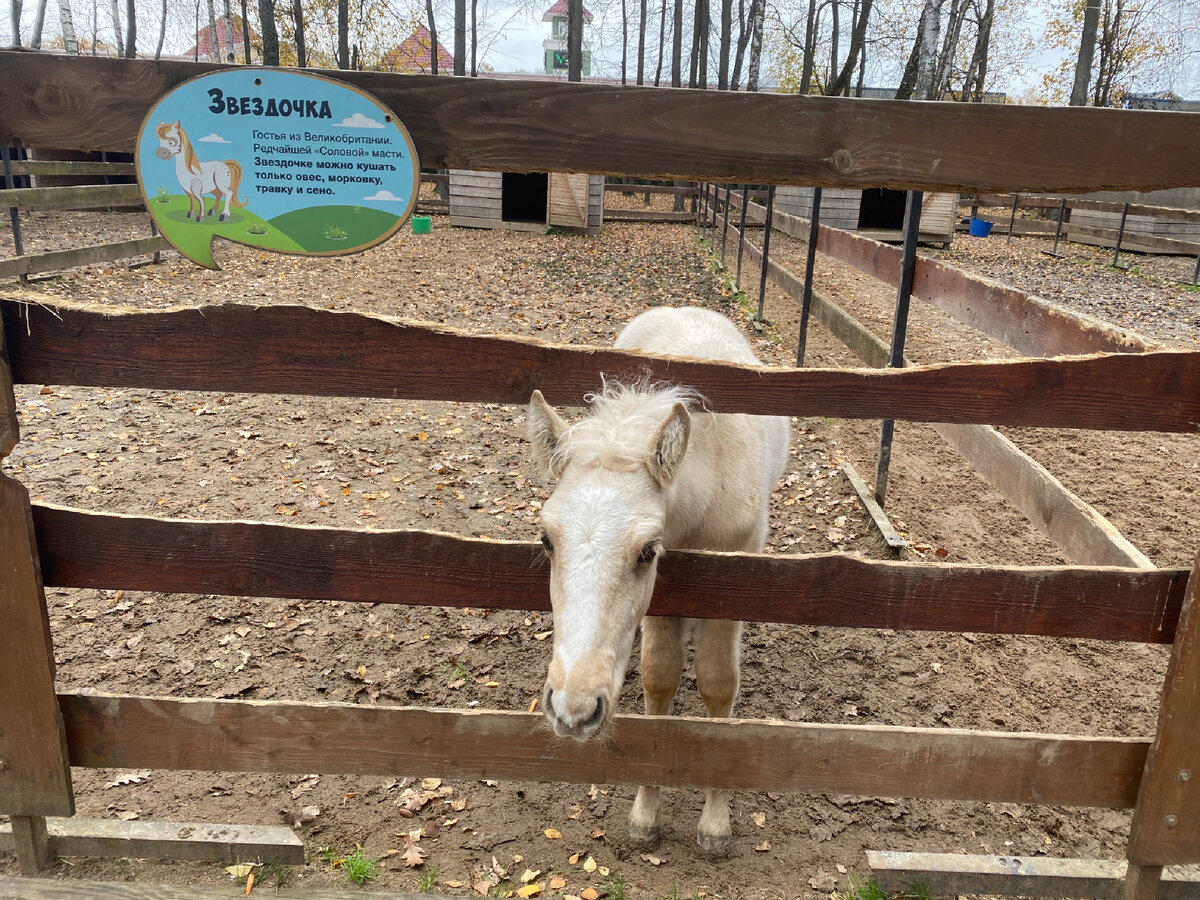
x: 546, y: 545
x: 648, y: 553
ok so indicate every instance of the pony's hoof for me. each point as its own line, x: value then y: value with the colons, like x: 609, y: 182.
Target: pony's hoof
x: 715, y: 845
x: 643, y: 835
x: 222, y: 218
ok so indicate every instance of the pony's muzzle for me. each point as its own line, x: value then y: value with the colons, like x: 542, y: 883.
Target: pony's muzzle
x: 575, y: 716
x: 162, y: 153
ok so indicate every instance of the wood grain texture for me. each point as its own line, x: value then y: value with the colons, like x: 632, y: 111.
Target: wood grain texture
x: 72, y: 197
x: 540, y: 126
x: 35, y: 779
x: 268, y: 736
x: 10, y: 428
x: 1082, y: 533
x: 1166, y: 822
x: 35, y: 263
x: 298, y: 350
x: 30, y: 843
x: 197, y: 841
x: 47, y: 889
x: 81, y: 549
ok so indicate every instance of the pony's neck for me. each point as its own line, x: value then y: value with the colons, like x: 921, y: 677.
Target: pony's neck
x: 188, y: 152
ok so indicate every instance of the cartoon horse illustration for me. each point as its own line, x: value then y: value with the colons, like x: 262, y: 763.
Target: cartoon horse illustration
x: 216, y: 177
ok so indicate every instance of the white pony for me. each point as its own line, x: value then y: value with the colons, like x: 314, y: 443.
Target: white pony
x: 646, y: 472
x: 221, y: 178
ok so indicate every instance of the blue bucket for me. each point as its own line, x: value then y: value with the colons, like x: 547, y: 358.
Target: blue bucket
x: 980, y: 228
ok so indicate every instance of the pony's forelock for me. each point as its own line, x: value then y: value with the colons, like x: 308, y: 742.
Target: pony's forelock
x: 624, y: 417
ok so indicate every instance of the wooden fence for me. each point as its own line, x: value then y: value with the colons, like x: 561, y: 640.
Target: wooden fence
x: 468, y: 123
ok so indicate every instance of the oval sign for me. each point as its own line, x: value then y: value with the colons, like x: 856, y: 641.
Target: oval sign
x: 275, y: 159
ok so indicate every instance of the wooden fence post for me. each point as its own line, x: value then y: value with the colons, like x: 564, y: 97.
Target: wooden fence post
x: 35, y: 775
x: 1166, y: 820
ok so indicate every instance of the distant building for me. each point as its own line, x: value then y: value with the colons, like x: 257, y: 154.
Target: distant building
x: 555, y: 47
x: 1166, y: 100
x: 889, y: 93
x: 202, y: 50
x: 415, y: 55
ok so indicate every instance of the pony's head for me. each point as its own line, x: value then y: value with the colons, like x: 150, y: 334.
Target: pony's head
x: 602, y: 530
x: 170, y: 140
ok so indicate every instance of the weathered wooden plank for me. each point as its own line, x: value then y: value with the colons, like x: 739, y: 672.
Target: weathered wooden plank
x: 1021, y: 320
x: 69, y: 167
x: 73, y: 196
x: 647, y: 215
x: 34, y: 263
x: 687, y: 190
x: 544, y: 126
x: 30, y: 843
x: 952, y: 874
x: 1073, y: 203
x: 10, y: 428
x: 65, y: 889
x: 1166, y: 822
x: 1148, y: 243
x: 267, y: 736
x: 35, y: 779
x: 197, y: 841
x: 298, y: 350
x: 82, y: 549
x: 1084, y: 535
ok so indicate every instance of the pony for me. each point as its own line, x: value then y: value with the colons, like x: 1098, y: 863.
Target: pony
x: 649, y: 470
x: 216, y: 177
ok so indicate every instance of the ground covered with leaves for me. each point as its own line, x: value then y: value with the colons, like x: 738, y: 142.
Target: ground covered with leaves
x: 463, y: 468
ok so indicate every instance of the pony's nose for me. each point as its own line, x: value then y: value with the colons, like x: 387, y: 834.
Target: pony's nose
x: 578, y: 716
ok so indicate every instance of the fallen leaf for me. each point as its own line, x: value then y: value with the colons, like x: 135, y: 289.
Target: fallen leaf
x: 759, y: 818
x: 604, y: 871
x: 573, y: 859
x: 427, y: 784
x: 453, y: 884
x: 413, y: 855
x: 598, y: 833
x: 822, y: 881
x: 241, y: 870
x: 590, y: 894
x: 763, y: 847
x: 557, y: 883
x: 529, y: 890
x: 589, y: 865
x: 529, y: 875
x: 482, y: 888
x: 652, y: 859
x: 306, y: 784
x: 304, y: 815
x: 552, y: 833
x: 132, y: 778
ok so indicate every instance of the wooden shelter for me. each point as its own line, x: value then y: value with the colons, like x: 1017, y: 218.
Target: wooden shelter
x: 518, y: 201
x: 873, y: 212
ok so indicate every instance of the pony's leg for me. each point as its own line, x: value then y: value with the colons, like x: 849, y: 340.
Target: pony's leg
x: 197, y: 189
x: 662, y: 667
x: 218, y: 196
x: 718, y: 651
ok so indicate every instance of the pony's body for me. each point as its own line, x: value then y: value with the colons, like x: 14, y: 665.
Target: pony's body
x: 647, y: 471
x: 197, y: 177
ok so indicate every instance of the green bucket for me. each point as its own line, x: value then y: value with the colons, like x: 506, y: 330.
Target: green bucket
x: 421, y: 224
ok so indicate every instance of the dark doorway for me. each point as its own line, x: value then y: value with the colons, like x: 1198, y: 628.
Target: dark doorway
x: 523, y: 197
x: 881, y: 209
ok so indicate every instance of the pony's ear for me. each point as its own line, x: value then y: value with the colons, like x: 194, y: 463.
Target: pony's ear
x: 543, y: 428
x: 670, y: 444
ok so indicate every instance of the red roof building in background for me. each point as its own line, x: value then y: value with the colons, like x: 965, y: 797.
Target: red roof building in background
x: 203, y: 48
x: 559, y: 11
x: 414, y: 55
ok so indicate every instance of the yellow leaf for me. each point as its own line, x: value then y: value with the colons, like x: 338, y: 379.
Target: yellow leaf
x: 241, y: 871
x: 760, y: 819
x: 553, y: 834
x: 529, y: 890
x: 604, y: 871
x: 453, y: 884
x: 529, y: 875
x: 557, y: 883
x: 589, y: 865
x: 574, y: 859
x: 590, y: 894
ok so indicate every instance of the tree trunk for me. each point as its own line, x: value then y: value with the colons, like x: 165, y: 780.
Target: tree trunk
x: 739, y: 46
x: 977, y: 70
x: 116, y: 17
x: 460, y: 37
x: 130, y: 30
x: 676, y: 45
x: 756, y: 37
x: 270, y: 36
x: 624, y: 39
x: 14, y: 11
x: 474, y: 36
x: 928, y: 38
x: 433, y: 45
x: 162, y: 32
x: 726, y: 37
x: 212, y: 32
x: 641, y: 64
x: 574, y: 40
x: 343, y: 30
x: 1087, y: 49
x: 35, y: 41
x: 945, y: 60
x: 662, y: 41
x: 298, y: 19
x: 705, y: 30
x: 245, y: 34
x: 841, y: 84
x: 230, y: 55
x: 835, y: 29
x: 809, y: 61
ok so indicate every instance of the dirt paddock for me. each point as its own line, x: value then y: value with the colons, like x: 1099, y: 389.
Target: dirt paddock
x: 463, y: 468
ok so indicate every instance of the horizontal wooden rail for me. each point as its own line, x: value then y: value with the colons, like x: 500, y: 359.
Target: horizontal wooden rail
x: 298, y: 350
x: 1114, y: 206
x: 647, y: 215
x: 661, y: 133
x: 1021, y: 320
x: 35, y: 263
x: 684, y: 189
x: 267, y: 736
x: 70, y: 167
x: 103, y: 550
x: 72, y: 197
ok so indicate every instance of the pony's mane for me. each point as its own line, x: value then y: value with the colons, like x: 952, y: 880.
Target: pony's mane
x: 622, y: 421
